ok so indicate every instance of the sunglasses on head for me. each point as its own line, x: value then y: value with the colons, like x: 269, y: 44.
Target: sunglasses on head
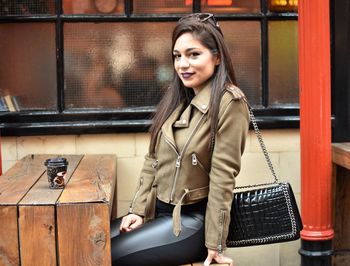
x: 203, y: 17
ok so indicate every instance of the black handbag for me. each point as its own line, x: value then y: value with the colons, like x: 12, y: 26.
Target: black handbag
x: 264, y: 215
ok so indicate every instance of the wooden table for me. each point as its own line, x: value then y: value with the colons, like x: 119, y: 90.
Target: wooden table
x: 341, y: 203
x: 70, y: 226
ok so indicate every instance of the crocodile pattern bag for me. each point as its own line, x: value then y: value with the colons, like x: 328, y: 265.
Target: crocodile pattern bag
x: 263, y: 215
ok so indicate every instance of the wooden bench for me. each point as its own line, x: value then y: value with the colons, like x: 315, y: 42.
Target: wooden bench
x: 70, y: 226
x: 341, y: 203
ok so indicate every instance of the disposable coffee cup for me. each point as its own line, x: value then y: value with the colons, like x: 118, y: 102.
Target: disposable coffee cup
x: 56, y: 169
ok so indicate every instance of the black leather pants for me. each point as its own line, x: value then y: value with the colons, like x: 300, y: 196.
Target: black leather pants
x: 154, y: 243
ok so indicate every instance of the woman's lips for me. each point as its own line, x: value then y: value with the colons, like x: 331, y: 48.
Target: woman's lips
x: 186, y: 75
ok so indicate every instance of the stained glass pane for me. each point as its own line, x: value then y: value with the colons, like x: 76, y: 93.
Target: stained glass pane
x: 283, y: 62
x: 28, y: 65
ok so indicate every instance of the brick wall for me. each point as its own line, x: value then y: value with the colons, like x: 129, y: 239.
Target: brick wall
x: 283, y: 146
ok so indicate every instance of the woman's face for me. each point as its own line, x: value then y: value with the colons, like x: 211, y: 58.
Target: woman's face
x: 193, y: 62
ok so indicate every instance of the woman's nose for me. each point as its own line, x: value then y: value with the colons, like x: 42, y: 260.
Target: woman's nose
x: 184, y: 63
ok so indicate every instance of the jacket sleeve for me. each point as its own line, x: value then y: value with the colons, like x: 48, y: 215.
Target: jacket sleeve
x: 225, y: 165
x: 138, y: 203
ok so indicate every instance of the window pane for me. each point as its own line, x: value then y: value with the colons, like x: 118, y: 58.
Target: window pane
x: 283, y: 5
x: 231, y: 6
x: 33, y: 7
x: 243, y: 39
x: 28, y: 64
x: 283, y: 62
x: 93, y: 6
x: 116, y: 65
x: 162, y: 6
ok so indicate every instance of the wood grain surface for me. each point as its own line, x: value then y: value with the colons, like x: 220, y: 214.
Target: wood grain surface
x: 16, y: 182
x: 37, y: 237
x: 341, y: 154
x: 70, y: 226
x: 41, y: 194
x: 341, y: 239
x: 9, y: 253
x: 93, y: 180
x: 83, y: 234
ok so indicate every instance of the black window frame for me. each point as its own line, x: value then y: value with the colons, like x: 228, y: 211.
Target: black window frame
x: 137, y: 119
x: 340, y: 71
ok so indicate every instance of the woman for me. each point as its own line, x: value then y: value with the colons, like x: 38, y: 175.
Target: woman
x: 181, y: 210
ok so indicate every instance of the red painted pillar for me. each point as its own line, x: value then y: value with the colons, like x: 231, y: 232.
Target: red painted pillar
x: 315, y: 129
x: 0, y: 158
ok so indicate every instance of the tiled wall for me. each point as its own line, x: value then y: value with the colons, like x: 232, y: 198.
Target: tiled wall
x: 283, y: 146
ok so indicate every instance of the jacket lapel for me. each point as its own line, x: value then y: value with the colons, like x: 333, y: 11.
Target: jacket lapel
x: 167, y: 128
x: 184, y: 119
x: 200, y: 101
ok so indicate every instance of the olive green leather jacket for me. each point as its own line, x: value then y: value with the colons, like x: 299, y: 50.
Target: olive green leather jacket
x: 184, y: 170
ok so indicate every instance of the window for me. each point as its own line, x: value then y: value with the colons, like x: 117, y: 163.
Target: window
x: 102, y: 65
x: 340, y: 17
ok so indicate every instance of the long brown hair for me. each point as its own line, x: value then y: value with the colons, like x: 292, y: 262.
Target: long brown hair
x: 208, y: 32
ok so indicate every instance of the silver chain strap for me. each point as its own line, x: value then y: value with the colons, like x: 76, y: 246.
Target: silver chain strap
x: 264, y: 150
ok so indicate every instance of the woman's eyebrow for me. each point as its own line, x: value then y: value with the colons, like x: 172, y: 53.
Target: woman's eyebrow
x: 187, y: 50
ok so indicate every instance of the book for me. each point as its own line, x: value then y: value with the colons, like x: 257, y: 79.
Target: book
x: 9, y: 103
x: 15, y: 102
x: 3, y: 105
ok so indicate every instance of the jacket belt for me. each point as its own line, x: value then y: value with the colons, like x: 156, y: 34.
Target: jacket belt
x: 191, y: 195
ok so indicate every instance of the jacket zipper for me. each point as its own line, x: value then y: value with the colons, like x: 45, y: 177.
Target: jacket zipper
x: 179, y: 156
x: 221, y: 229
x: 136, y: 194
x: 155, y: 164
x: 196, y: 161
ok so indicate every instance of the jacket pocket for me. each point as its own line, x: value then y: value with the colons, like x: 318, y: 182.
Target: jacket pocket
x: 196, y: 162
x: 222, y: 219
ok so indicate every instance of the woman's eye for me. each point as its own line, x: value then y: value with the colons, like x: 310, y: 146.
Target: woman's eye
x: 176, y: 56
x: 195, y: 54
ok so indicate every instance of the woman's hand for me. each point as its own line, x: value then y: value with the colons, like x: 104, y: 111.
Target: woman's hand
x: 219, y: 258
x: 130, y: 222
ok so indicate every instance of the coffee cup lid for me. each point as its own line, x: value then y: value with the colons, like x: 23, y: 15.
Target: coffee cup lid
x: 56, y: 161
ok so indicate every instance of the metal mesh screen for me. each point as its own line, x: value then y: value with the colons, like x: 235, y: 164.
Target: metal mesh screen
x: 27, y: 7
x: 283, y: 62
x: 93, y: 6
x: 243, y: 40
x: 162, y: 6
x: 129, y: 64
x: 230, y: 6
x: 28, y: 65
x: 114, y: 65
